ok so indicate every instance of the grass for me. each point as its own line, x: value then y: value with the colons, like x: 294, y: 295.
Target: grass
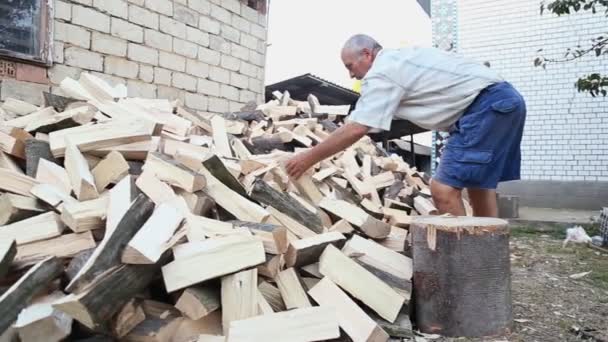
x: 555, y: 232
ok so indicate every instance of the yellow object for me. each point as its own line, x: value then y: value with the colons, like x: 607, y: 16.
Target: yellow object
x: 357, y: 86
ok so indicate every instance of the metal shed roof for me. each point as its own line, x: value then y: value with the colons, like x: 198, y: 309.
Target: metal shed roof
x: 327, y: 92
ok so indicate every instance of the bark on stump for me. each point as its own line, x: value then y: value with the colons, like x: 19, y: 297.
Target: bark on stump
x: 462, y: 276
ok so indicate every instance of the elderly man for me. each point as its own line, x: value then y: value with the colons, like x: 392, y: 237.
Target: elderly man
x: 439, y: 91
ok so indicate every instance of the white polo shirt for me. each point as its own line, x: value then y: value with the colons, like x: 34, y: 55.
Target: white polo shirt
x: 426, y: 86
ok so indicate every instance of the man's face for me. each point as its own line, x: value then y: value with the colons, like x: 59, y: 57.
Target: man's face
x: 358, y: 64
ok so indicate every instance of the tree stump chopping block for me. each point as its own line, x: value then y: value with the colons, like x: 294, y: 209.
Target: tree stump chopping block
x: 462, y: 276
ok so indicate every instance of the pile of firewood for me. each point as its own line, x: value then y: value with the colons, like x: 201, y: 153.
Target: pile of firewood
x: 138, y: 220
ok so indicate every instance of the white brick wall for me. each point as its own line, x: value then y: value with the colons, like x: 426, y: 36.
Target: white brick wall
x: 566, y: 134
x: 205, y: 53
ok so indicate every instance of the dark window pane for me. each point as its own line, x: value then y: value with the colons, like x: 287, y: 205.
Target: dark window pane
x: 20, y: 26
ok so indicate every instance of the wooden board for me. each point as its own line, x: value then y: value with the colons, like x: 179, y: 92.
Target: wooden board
x: 239, y: 297
x: 220, y: 260
x: 360, y: 283
x: 16, y: 208
x: 291, y: 289
x: 17, y: 296
x: 39, y: 227
x: 173, y: 172
x: 198, y: 301
x: 16, y: 182
x: 308, y: 250
x: 307, y: 324
x: 352, y: 319
x: 80, y: 175
x: 109, y: 170
x: 357, y: 217
x: 152, y: 239
x: 86, y: 215
x: 64, y: 246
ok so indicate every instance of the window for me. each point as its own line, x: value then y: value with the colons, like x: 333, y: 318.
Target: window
x: 259, y: 5
x: 25, y: 30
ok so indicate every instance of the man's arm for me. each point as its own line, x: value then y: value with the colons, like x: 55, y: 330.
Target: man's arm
x: 339, y: 140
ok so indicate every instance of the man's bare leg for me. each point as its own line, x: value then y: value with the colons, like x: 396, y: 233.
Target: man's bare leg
x: 447, y: 199
x: 483, y: 202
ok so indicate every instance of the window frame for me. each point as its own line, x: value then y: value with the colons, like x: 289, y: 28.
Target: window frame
x: 45, y: 38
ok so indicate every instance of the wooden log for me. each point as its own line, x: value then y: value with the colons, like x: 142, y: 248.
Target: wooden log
x: 308, y: 324
x: 105, y: 295
x: 239, y: 297
x: 34, y: 151
x: 307, y: 251
x: 15, y: 208
x: 64, y: 246
x: 272, y: 295
x: 360, y: 283
x: 174, y: 173
x: 86, y: 215
x: 17, y: 296
x: 109, y: 170
x: 39, y: 227
x: 263, y: 145
x: 101, y: 135
x: 151, y: 240
x: 119, y: 201
x: 291, y: 289
x: 8, y: 251
x: 372, y: 253
x: 130, y: 316
x: 424, y: 206
x: 80, y: 175
x: 357, y: 217
x: 222, y: 260
x: 16, y: 182
x: 40, y: 322
x: 462, y: 265
x: 161, y: 324
x: 218, y: 169
x: 198, y: 301
x: 77, y: 262
x: 352, y: 319
x: 109, y: 251
x: 264, y: 193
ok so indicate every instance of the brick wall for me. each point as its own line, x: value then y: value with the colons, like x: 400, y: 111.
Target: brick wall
x: 566, y: 134
x: 208, y: 53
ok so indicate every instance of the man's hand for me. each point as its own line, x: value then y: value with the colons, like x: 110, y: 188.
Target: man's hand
x: 299, y: 164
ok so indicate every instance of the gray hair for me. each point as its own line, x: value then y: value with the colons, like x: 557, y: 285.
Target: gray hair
x: 359, y: 42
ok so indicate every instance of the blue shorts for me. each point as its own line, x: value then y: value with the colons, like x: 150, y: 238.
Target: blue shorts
x: 484, y: 145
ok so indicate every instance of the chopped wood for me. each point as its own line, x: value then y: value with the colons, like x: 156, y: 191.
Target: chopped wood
x: 17, y: 296
x: 68, y: 119
x: 291, y: 289
x: 51, y: 173
x: 39, y: 227
x: 156, y: 190
x: 272, y: 295
x: 8, y: 251
x: 220, y: 137
x: 360, y: 283
x: 16, y: 208
x: 273, y: 265
x: 357, y: 217
x: 378, y: 256
x: 128, y: 318
x: 132, y: 151
x: 109, y: 251
x: 16, y: 182
x: 321, y: 175
x: 36, y: 150
x: 219, y: 260
x: 18, y: 107
x: 307, y: 324
x: 308, y: 189
x: 424, y: 206
x: 40, y: 322
x: 342, y: 226
x: 198, y: 301
x: 64, y: 246
x: 395, y: 240
x: 6, y: 162
x: 151, y: 241
x: 109, y: 170
x: 58, y: 102
x: 239, y: 297
x: 397, y: 217
x: 80, y: 175
x: 51, y: 195
x: 173, y: 172
x: 307, y: 251
x: 292, y: 225
x: 352, y: 319
x: 86, y: 215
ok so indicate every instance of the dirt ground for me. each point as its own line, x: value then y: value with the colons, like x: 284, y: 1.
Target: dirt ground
x: 548, y: 305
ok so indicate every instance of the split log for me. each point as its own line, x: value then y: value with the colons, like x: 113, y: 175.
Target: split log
x: 352, y: 319
x: 40, y: 322
x: 424, y: 206
x: 217, y: 168
x: 278, y: 233
x: 357, y: 217
x: 130, y: 316
x: 198, y: 301
x: 16, y: 182
x: 254, y: 115
x: 462, y: 265
x: 239, y: 297
x: 64, y: 246
x: 263, y: 145
x: 294, y: 227
x: 220, y: 137
x: 161, y: 324
x: 12, y: 145
x: 291, y: 289
x: 7, y: 162
x: 109, y: 251
x: 34, y: 151
x: 17, y: 296
x: 58, y: 102
x: 273, y: 265
x: 18, y: 107
x: 39, y: 227
x: 15, y: 208
x: 307, y: 251
x: 53, y: 174
x: 86, y: 215
x: 174, y: 173
x: 70, y: 118
x: 8, y: 251
x: 80, y: 175
x: 109, y: 170
x: 360, y: 283
x: 264, y: 193
x: 308, y: 324
x: 273, y: 296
